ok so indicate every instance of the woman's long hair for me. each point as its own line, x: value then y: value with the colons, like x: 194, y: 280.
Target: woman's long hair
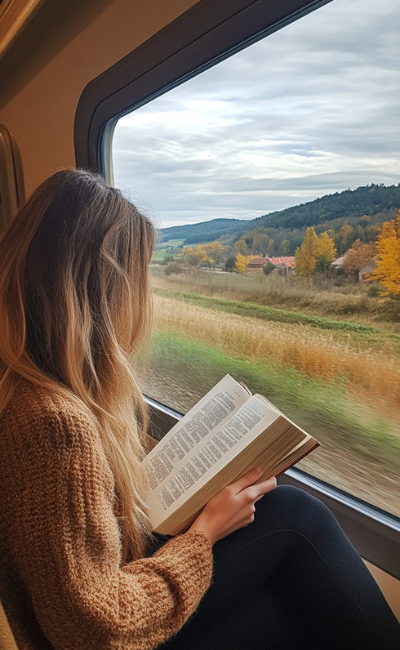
x: 74, y: 304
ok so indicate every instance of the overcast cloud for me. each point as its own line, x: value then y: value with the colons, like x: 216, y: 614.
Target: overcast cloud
x: 310, y: 110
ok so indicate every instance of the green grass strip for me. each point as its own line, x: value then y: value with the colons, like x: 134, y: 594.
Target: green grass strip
x: 320, y: 408
x: 263, y: 312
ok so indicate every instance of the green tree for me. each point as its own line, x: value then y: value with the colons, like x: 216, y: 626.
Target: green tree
x: 268, y: 268
x: 284, y: 247
x: 306, y: 255
x: 230, y: 264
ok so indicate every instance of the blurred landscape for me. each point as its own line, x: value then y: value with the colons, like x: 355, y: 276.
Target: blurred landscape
x: 327, y: 356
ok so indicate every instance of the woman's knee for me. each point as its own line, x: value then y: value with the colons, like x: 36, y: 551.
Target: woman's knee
x: 294, y: 509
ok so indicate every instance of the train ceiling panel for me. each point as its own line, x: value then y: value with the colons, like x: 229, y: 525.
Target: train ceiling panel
x: 14, y: 16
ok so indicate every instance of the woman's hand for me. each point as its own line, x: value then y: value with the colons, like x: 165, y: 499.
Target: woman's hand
x: 233, y: 507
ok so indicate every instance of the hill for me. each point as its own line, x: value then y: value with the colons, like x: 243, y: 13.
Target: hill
x: 346, y: 216
x: 368, y: 200
x: 202, y: 232
x: 361, y: 211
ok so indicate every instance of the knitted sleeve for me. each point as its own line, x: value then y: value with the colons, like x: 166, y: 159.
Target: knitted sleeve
x: 66, y: 544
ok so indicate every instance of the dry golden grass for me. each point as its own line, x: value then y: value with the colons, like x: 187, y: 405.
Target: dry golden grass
x: 322, y: 297
x: 292, y: 292
x: 367, y: 375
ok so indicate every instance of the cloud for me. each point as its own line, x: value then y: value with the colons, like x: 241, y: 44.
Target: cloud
x: 310, y: 110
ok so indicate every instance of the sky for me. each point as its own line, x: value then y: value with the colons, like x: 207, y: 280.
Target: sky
x: 311, y: 110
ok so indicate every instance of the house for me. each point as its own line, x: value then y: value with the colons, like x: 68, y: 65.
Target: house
x: 256, y: 265
x: 284, y: 265
x: 285, y: 261
x: 338, y: 264
x: 368, y: 267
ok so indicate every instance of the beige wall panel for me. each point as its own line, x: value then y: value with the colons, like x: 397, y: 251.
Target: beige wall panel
x: 40, y: 115
x: 390, y: 587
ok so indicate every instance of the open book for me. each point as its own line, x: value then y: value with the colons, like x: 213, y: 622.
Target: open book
x: 226, y: 433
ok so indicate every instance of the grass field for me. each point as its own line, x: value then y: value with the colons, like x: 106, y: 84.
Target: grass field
x: 161, y: 252
x: 371, y: 377
x: 336, y: 376
x: 349, y: 302
x: 358, y: 449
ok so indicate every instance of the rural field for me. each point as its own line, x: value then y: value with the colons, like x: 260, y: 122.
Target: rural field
x: 328, y: 359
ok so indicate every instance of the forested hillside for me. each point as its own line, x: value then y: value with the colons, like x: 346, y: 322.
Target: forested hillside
x: 347, y: 216
x: 204, y: 231
x: 368, y: 200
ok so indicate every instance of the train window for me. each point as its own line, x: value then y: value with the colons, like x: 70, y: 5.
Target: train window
x: 296, y: 131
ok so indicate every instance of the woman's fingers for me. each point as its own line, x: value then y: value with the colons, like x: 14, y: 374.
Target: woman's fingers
x: 234, y: 506
x: 263, y: 487
x: 247, y: 479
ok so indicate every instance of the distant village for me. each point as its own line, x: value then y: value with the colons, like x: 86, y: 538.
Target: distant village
x: 362, y: 262
x: 349, y: 237
x: 285, y: 266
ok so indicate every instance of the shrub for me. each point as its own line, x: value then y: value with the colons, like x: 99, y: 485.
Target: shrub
x: 168, y: 259
x: 268, y: 268
x: 374, y: 290
x: 173, y: 268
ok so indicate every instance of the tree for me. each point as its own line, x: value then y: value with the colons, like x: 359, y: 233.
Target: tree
x: 240, y: 247
x: 356, y: 257
x: 203, y: 254
x: 270, y: 248
x: 284, y: 247
x: 230, y: 264
x: 306, y: 255
x: 346, y: 236
x: 214, y: 252
x: 268, y: 268
x: 388, y: 261
x: 326, y: 252
x: 241, y: 263
x: 260, y: 243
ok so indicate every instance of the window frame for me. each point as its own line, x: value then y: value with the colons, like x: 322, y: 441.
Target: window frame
x: 204, y: 35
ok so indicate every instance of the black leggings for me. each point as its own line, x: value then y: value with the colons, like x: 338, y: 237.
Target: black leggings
x: 289, y: 581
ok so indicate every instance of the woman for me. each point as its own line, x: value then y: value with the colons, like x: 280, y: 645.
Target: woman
x: 79, y: 568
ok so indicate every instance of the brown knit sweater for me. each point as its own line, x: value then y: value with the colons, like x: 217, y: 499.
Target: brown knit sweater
x: 62, y: 583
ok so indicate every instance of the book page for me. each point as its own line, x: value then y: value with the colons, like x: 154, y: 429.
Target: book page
x: 210, y: 413
x: 218, y: 448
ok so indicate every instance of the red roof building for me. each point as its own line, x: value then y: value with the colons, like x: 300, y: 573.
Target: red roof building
x: 287, y: 260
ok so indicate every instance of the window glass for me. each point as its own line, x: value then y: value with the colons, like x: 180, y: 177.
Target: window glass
x: 299, y: 131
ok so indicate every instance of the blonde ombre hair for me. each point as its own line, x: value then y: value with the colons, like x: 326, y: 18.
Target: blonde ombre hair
x: 75, y: 304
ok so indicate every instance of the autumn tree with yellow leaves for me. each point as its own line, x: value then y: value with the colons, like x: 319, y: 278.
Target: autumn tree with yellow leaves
x: 306, y: 255
x: 315, y: 253
x: 326, y: 252
x: 242, y: 261
x: 388, y: 259
x: 203, y: 254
